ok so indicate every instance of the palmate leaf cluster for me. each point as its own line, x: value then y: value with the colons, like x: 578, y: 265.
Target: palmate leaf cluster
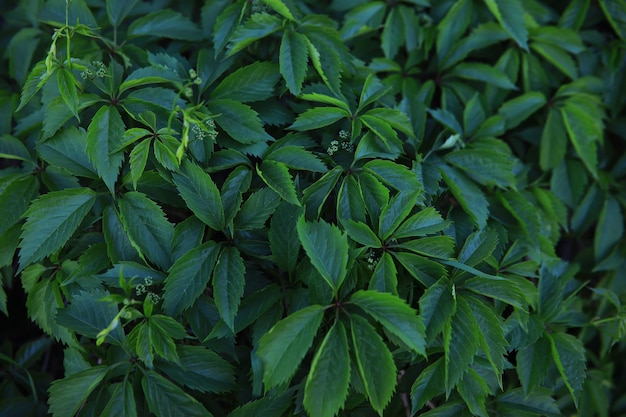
x: 300, y: 208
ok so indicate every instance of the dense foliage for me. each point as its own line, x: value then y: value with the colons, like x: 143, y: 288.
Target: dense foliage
x: 287, y: 207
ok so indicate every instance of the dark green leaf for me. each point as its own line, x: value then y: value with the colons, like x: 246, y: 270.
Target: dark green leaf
x: 374, y: 362
x: 253, y: 82
x: 615, y: 12
x: 239, y: 121
x: 520, y: 108
x: 283, y: 347
x: 122, y: 402
x: 166, y: 23
x: 437, y: 305
x: 104, y: 136
x: 360, y: 232
x: 165, y: 399
x: 474, y: 390
x: 553, y: 141
x: 276, y: 175
x: 255, y: 211
x: 510, y: 14
x: 117, y: 10
x: 228, y: 284
x: 15, y: 196
x: 318, y: 117
x: 296, y: 157
x: 482, y: 72
x: 539, y: 402
x: 258, y: 26
x: 609, y: 229
x: 429, y: 384
x: 51, y: 220
x: 568, y: 354
x: 327, y: 384
x: 67, y: 395
x: 422, y: 223
x: 67, y: 89
x: 189, y: 277
x: 327, y: 248
x: 395, y: 315
x: 293, y: 60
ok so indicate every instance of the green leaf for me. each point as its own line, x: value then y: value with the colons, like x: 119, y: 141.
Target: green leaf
x: 373, y: 89
x: 117, y: 10
x: 122, y: 402
x: 327, y: 248
x: 422, y: 223
x: 239, y: 121
x: 228, y: 284
x: 267, y: 406
x: 361, y: 233
x: 36, y: 79
x: 283, y: 347
x: 201, y: 194
x: 88, y: 315
x: 553, y: 141
x: 478, y: 247
x: 533, y: 362
x: 486, y: 166
x: 283, y: 236
x: 253, y: 82
x: 276, y: 175
x: 555, y: 55
x: 609, y: 229
x: 374, y: 362
x: 615, y: 12
x: 501, y: 289
x: 258, y: 26
x: 473, y: 115
x: 385, y: 275
x: 394, y: 213
x: 316, y: 194
x: 165, y: 399
x: 15, y: 197
x: 434, y: 246
x: 395, y: 118
x: 293, y: 58
x: 104, y: 136
x: 255, y: 211
x: 510, y: 14
x: 66, y: 149
x: 166, y: 24
x: 452, y: 27
x: 327, y: 384
x: 381, y: 129
x: 520, y: 108
x: 147, y: 228
x: 437, y: 305
x: 447, y: 119
x: 51, y: 220
x: 482, y: 72
x: 468, y: 194
x: 398, y: 176
x: 67, y: 90
x: 68, y: 395
x: 296, y: 157
x: 137, y: 159
x: 350, y: 200
x: 318, y: 117
x: 393, y: 33
x: 474, y: 390
x: 44, y: 298
x: 188, y: 277
x: 538, y: 403
x: 201, y: 370
x: 326, y: 99
x: 568, y: 354
x: 583, y: 135
x: 428, y: 384
x: 395, y: 315
x: 461, y: 340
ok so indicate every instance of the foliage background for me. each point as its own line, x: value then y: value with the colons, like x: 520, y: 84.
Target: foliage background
x: 295, y: 207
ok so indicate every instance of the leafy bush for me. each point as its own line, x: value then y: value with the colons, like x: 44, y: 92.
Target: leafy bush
x: 281, y: 207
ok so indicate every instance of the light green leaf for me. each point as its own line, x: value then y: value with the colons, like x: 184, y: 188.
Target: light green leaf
x: 318, y: 117
x: 165, y: 399
x: 253, y: 82
x: 147, y: 228
x: 51, y: 220
x: 166, y: 24
x: 327, y: 384
x: 296, y: 157
x: 189, y: 277
x: 276, y: 175
x: 201, y: 194
x: 395, y: 315
x: 510, y: 14
x: 283, y: 347
x: 228, y: 284
x: 437, y: 305
x: 104, y: 135
x: 255, y: 211
x: 482, y: 72
x: 68, y: 395
x: 374, y: 362
x: 520, y: 108
x: 258, y: 26
x: 568, y: 354
x: 327, y: 248
x: 293, y: 58
x: 239, y: 121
